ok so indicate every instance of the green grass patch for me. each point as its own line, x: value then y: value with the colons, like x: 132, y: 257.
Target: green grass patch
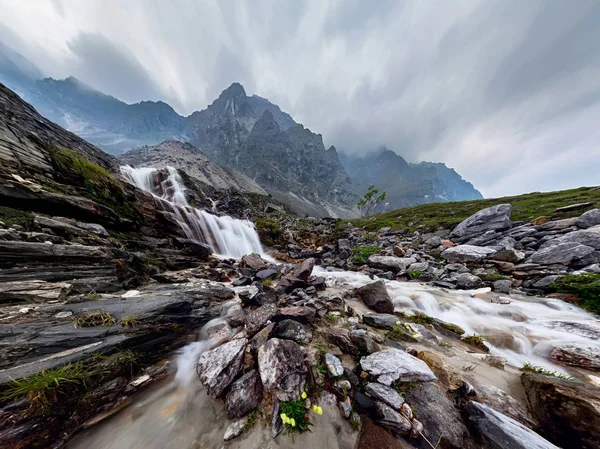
x: 362, y: 253
x: 420, y: 318
x: 447, y: 215
x: 129, y: 321
x: 400, y: 333
x: 585, y: 286
x: 453, y: 328
x: 539, y: 370
x: 47, y: 386
x: 10, y: 216
x: 475, y: 341
x: 269, y: 230
x: 415, y: 274
x: 96, y: 318
x: 296, y: 412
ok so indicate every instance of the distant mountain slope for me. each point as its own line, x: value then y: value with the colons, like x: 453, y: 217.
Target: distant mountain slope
x: 188, y: 158
x: 407, y: 184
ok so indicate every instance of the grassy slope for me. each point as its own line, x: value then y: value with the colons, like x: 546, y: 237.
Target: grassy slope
x: 448, y: 215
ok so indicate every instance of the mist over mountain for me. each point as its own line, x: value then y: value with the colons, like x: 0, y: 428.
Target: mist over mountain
x: 247, y: 133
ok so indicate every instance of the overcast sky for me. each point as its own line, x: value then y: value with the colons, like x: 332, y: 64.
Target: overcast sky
x: 506, y: 92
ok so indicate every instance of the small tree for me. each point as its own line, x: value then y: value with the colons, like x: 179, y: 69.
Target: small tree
x: 369, y: 201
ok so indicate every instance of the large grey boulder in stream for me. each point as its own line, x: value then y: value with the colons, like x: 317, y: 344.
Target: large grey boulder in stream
x: 392, y: 364
x: 495, y: 218
x: 467, y: 253
x: 219, y: 367
x: 589, y: 219
x: 245, y: 394
x: 501, y: 432
x: 392, y: 263
x: 282, y: 368
x: 375, y: 296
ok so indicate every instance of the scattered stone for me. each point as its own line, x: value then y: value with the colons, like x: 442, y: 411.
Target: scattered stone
x: 300, y: 313
x: 254, y: 261
x: 467, y: 281
x: 364, y: 341
x: 235, y: 429
x: 36, y: 291
x: 384, y: 394
x: 501, y: 432
x: 391, y: 263
x: 467, y: 253
x: 245, y: 394
x: 375, y: 437
x: 290, y: 283
x: 376, y: 297
x: 261, y: 337
x: 63, y: 315
x: 282, y: 368
x: 305, y: 269
x: 398, y: 251
x: 218, y: 367
x: 561, y: 253
x: 345, y: 407
x: 267, y: 273
x: 502, y: 286
x: 276, y: 422
x: 341, y: 338
x: 589, y: 219
x: 292, y: 330
x: 381, y: 320
x: 391, y: 419
x: 392, y: 364
x: 546, y: 281
x: 365, y: 403
x: 495, y: 360
x: 334, y: 365
x: 257, y: 319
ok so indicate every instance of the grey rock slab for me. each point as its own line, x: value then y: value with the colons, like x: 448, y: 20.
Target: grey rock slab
x: 257, y: 319
x: 467, y: 253
x: 385, y: 394
x: 502, y: 286
x: 293, y: 330
x: 376, y: 297
x: 502, y: 432
x: 282, y: 368
x: 245, y: 394
x: 578, y: 354
x: 218, y: 367
x: 391, y: 419
x: 391, y: 263
x: 304, y: 270
x: 392, y: 364
x: 334, y: 365
x: 234, y: 429
x: 589, y: 219
x: 560, y: 253
x: 467, y: 281
x: 495, y: 218
x: 380, y: 320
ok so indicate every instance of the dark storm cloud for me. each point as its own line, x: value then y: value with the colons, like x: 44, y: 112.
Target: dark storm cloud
x: 505, y: 91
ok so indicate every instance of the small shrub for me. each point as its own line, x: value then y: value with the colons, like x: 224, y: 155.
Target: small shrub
x: 331, y: 317
x: 539, y: 370
x: 129, y: 321
x: 415, y: 274
x: 401, y: 333
x: 46, y: 386
x: 294, y: 412
x: 361, y: 253
x: 91, y: 319
x: 476, y: 341
x: 252, y: 419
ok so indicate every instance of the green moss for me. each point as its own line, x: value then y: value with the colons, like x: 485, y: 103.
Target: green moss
x: 475, y: 341
x: 399, y: 333
x: 585, y: 286
x: 415, y: 274
x: 129, y: 321
x: 453, y: 328
x: 420, y: 318
x: 269, y: 230
x: 361, y: 253
x: 10, y: 216
x: 539, y: 370
x: 370, y: 237
x: 447, y: 215
x: 96, y: 318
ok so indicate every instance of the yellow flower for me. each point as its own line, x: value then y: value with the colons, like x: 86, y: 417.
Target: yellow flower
x: 398, y: 323
x: 304, y: 395
x: 318, y: 410
x: 292, y: 422
x: 284, y: 418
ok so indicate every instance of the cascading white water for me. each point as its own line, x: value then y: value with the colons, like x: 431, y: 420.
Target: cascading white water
x: 227, y: 236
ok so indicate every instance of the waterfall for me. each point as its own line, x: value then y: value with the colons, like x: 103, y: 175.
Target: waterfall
x: 226, y: 236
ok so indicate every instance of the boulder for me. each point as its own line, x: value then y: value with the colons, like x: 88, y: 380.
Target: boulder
x: 33, y: 291
x: 261, y: 337
x: 267, y: 273
x: 341, y: 338
x: 589, y: 219
x: 495, y: 218
x: 292, y: 330
x: 257, y: 319
x: 245, y: 394
x: 391, y: 419
x: 508, y: 255
x: 392, y: 364
x: 334, y: 365
x: 254, y: 261
x: 468, y: 281
x: 467, y: 253
x: 282, y: 368
x: 298, y: 313
x: 560, y: 253
x: 391, y: 263
x: 501, y: 432
x: 290, y: 283
x: 380, y: 320
x: 364, y: 341
x: 304, y: 270
x: 578, y: 354
x: 502, y: 286
x: 218, y: 367
x: 568, y: 412
x: 379, y: 392
x: 376, y: 297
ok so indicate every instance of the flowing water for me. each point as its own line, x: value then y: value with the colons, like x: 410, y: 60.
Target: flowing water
x: 226, y: 236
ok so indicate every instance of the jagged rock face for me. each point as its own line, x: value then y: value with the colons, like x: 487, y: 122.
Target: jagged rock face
x: 407, y: 184
x: 282, y: 368
x: 495, y: 218
x: 392, y: 364
x: 219, y: 367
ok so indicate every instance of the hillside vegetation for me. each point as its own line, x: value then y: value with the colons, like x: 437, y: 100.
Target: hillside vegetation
x: 447, y: 215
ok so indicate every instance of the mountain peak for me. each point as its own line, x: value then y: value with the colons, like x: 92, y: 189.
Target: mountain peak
x: 235, y: 90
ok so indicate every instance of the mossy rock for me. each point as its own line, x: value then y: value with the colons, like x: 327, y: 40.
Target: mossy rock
x: 585, y: 287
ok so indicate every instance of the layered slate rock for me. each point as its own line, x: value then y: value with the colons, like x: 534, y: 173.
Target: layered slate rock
x: 568, y: 412
x: 392, y: 364
x: 304, y: 270
x: 282, y: 368
x: 219, y: 367
x: 391, y: 419
x: 501, y: 432
x: 376, y: 297
x: 580, y: 354
x: 495, y: 218
x: 245, y: 394
x: 589, y: 219
x: 392, y: 263
x: 467, y: 253
x: 384, y: 394
x: 380, y: 320
x: 293, y: 330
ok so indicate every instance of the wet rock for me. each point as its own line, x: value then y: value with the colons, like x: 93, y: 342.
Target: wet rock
x: 501, y: 432
x: 257, y: 319
x: 345, y: 407
x: 334, y: 365
x: 376, y: 297
x: 254, y: 261
x: 299, y: 313
x: 380, y: 320
x: 364, y: 341
x: 290, y: 283
x: 305, y: 269
x: 392, y: 364
x: 267, y: 273
x: 440, y: 418
x: 568, y: 412
x: 589, y: 219
x: 363, y: 402
x: 442, y: 370
x: 495, y: 218
x: 579, y: 354
x: 467, y: 253
x: 234, y: 429
x: 391, y: 419
x: 391, y: 263
x: 292, y: 330
x: 467, y: 281
x: 245, y: 394
x: 504, y: 403
x: 33, y: 291
x: 495, y: 360
x: 341, y: 338
x: 384, y: 394
x: 236, y: 316
x: 276, y: 422
x: 217, y: 368
x: 502, y: 286
x: 282, y: 368
x: 561, y: 253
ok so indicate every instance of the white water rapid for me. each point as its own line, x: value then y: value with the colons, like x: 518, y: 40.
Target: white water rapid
x: 226, y: 236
